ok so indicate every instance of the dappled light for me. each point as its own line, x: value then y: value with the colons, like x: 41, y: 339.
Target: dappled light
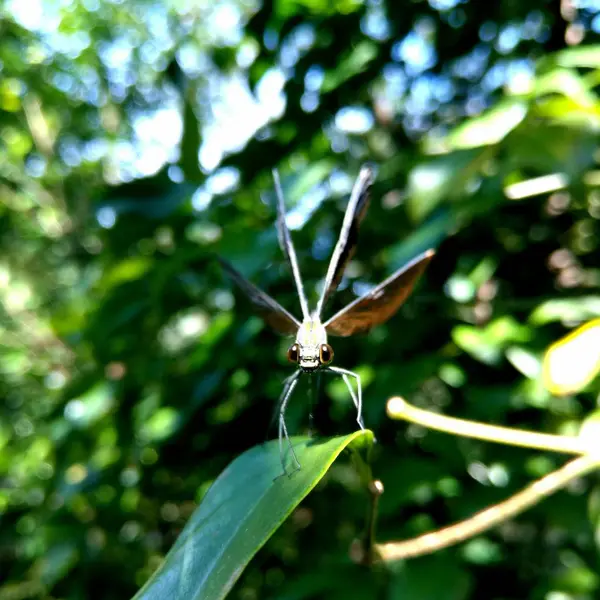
x: 137, y: 144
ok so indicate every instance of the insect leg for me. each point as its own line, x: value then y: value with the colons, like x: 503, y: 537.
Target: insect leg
x: 357, y: 399
x: 275, y: 416
x: 311, y: 402
x: 291, y: 383
x: 315, y: 386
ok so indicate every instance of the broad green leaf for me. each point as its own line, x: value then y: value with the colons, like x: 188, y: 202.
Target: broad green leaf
x: 190, y: 145
x: 568, y: 83
x: 491, y: 127
x: 566, y: 309
x: 429, y: 235
x: 126, y: 270
x: 525, y: 361
x: 287, y: 8
x: 239, y: 513
x: 301, y: 183
x: 441, y: 179
x: 487, y: 343
x: 582, y: 56
x: 356, y: 62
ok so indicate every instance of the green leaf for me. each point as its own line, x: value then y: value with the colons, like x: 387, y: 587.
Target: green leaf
x: 190, y: 145
x: 568, y: 83
x: 580, y: 308
x: 433, y: 577
x: 239, y: 513
x: 441, y: 179
x: 356, y: 62
x: 586, y: 56
x: 487, y: 343
x: 429, y: 235
x: 489, y: 128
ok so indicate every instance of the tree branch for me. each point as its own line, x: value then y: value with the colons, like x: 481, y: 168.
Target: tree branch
x: 489, y: 517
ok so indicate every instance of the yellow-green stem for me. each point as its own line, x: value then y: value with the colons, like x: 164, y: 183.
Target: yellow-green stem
x: 398, y: 408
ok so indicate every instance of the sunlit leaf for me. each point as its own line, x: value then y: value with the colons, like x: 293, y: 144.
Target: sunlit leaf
x: 358, y: 59
x: 568, y: 83
x: 126, y: 270
x: 580, y: 56
x: 566, y: 309
x: 441, y: 178
x: 573, y: 361
x: 489, y: 128
x: 590, y: 430
x: 487, y: 343
x: 524, y: 361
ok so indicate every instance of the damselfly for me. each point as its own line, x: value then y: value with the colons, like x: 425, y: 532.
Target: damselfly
x: 311, y: 351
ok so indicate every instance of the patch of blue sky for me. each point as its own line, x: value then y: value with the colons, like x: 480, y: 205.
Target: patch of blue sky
x: 309, y: 102
x: 533, y: 25
x: 223, y: 181
x: 36, y: 15
x: 395, y: 79
x: 375, y: 24
x: 157, y: 136
x: 354, y: 119
x: 495, y: 76
x: 509, y: 38
x: 415, y: 52
x: 443, y: 5
x: 314, y: 77
x: 306, y: 206
x: 295, y: 45
x: 488, y: 31
x: 226, y: 23
x: 117, y: 53
x: 106, y: 217
x: 588, y: 4
x: 201, y: 199
x: 421, y: 99
x: 443, y: 88
x: 238, y: 114
x: 192, y: 60
x: 473, y: 65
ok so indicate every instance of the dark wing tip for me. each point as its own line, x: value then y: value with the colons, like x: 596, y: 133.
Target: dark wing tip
x: 379, y: 304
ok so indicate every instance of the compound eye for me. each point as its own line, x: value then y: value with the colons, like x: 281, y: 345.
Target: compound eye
x: 293, y: 353
x: 325, y: 354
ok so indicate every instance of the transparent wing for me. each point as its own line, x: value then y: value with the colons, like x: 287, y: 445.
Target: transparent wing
x: 285, y: 241
x: 346, y: 244
x: 270, y: 310
x: 381, y: 302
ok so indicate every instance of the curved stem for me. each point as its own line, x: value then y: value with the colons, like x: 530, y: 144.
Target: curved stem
x: 487, y: 518
x: 398, y: 408
x: 375, y: 491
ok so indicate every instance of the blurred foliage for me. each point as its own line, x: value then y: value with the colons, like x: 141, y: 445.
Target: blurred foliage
x: 137, y: 139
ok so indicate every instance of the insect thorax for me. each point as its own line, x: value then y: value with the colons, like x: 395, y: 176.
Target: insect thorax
x: 310, y: 336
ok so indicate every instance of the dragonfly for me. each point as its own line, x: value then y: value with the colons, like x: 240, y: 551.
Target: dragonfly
x: 310, y: 351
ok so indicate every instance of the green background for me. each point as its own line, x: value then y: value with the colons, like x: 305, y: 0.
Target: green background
x: 137, y: 139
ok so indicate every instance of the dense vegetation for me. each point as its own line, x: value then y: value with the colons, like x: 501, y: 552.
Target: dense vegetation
x: 137, y: 140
